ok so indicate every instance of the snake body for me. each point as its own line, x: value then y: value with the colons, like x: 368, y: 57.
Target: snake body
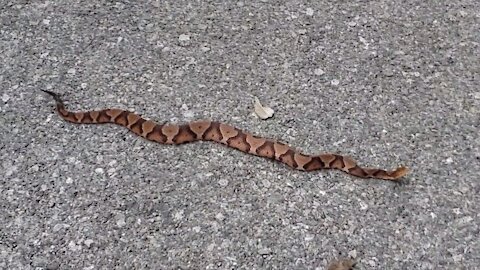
x: 224, y: 134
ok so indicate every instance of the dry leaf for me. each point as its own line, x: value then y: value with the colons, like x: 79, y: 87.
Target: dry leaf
x: 342, y: 264
x: 262, y: 111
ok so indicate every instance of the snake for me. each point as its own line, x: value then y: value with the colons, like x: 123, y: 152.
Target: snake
x: 205, y: 130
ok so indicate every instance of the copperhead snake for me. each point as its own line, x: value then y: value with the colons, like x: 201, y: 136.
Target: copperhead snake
x: 224, y: 134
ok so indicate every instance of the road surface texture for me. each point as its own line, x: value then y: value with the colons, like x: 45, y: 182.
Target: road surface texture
x: 387, y: 82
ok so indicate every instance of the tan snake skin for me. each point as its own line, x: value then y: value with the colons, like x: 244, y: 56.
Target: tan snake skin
x: 224, y: 134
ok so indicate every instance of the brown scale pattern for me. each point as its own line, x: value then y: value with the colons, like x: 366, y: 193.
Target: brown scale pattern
x: 225, y: 134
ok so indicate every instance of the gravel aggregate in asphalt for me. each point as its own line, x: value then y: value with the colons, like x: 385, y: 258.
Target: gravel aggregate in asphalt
x: 387, y: 82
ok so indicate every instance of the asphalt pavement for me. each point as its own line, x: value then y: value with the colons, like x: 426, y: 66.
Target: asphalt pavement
x: 389, y: 83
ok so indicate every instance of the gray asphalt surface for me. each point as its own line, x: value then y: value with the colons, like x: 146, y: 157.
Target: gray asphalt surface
x: 387, y: 82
